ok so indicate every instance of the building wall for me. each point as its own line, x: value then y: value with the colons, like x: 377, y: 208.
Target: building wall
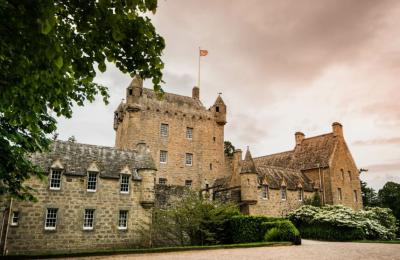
x: 275, y: 206
x: 207, y: 144
x: 72, y: 200
x: 342, y: 160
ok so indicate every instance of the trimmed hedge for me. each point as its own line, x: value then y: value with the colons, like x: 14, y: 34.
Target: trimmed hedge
x: 328, y: 232
x: 281, y: 230
x: 245, y: 229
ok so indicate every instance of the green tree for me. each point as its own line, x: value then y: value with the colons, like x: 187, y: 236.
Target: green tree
x: 48, y: 53
x: 229, y: 149
x: 369, y: 196
x: 389, y: 196
x: 192, y: 220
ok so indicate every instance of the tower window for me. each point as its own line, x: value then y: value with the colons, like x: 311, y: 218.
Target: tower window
x: 217, y: 109
x: 189, y: 133
x: 339, y: 192
x: 55, y: 179
x: 92, y: 181
x: 163, y: 156
x: 162, y: 181
x: 164, y: 130
x: 130, y: 92
x: 189, y: 159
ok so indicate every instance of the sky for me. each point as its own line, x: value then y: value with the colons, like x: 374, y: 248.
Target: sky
x: 281, y: 66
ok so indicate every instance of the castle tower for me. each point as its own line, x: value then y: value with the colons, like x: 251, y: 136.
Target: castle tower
x: 219, y: 110
x: 248, y: 180
x: 135, y: 90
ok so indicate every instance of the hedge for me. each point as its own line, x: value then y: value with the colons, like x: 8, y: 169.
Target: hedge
x: 328, y: 232
x: 281, y: 230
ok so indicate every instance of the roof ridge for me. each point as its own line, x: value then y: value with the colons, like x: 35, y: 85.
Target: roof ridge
x: 317, y: 136
x: 95, y: 146
x: 272, y: 154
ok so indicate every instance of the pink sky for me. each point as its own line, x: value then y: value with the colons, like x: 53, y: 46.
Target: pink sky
x: 282, y: 66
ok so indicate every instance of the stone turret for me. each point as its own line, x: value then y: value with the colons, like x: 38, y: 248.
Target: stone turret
x: 299, y: 137
x: 219, y: 109
x: 248, y: 180
x: 118, y: 114
x: 196, y: 92
x: 134, y: 90
x: 146, y: 169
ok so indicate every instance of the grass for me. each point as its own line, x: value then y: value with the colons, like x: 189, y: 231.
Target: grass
x: 397, y: 241
x: 149, y: 250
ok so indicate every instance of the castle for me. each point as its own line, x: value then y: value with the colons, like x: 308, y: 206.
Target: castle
x: 103, y: 197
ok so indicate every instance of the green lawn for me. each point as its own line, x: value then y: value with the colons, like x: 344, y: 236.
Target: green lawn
x: 152, y: 250
x: 397, y: 241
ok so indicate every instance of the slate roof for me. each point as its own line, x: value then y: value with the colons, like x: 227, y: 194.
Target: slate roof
x: 76, y: 158
x: 174, y: 98
x: 312, y: 153
x: 275, y: 176
x: 248, y: 164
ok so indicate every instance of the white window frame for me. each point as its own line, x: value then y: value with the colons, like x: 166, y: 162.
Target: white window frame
x: 89, y: 174
x: 125, y: 221
x: 283, y: 192
x: 15, y: 215
x: 188, y: 183
x: 189, y: 159
x: 54, y: 172
x: 51, y: 216
x: 88, y: 219
x: 300, y: 194
x: 163, y: 159
x: 124, y: 184
x: 339, y: 191
x: 189, y: 133
x: 164, y: 130
x: 265, y: 192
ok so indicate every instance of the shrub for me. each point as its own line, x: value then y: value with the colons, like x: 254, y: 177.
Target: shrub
x: 342, y: 223
x: 246, y: 228
x: 282, y: 230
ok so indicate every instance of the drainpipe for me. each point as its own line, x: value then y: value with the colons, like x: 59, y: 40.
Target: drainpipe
x: 4, y: 249
x: 321, y: 183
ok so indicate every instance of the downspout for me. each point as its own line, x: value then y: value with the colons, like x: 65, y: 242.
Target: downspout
x: 321, y: 183
x: 7, y: 224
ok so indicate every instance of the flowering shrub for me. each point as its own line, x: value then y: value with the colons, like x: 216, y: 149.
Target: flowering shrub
x: 371, y: 223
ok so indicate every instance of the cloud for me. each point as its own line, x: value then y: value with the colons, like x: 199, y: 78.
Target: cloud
x: 380, y: 141
x: 384, y: 167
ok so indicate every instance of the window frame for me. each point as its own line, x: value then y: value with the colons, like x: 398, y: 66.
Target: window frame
x: 127, y: 184
x: 164, y: 130
x: 300, y: 195
x: 162, y: 181
x: 47, y: 219
x: 91, y: 181
x: 283, y: 192
x: 52, y: 171
x: 189, y: 133
x: 15, y: 215
x: 126, y: 219
x: 265, y: 192
x: 189, y: 155
x: 166, y: 156
x: 88, y: 220
x: 188, y: 183
x: 339, y: 192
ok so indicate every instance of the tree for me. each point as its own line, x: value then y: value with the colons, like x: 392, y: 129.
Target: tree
x: 369, y: 196
x: 48, y: 53
x: 229, y: 149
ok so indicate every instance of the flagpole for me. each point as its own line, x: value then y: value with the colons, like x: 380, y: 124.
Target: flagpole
x: 198, y: 75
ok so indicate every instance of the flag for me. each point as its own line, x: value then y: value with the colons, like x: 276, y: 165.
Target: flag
x: 203, y: 52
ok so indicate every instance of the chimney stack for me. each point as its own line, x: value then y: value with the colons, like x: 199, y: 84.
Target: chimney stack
x: 299, y: 137
x: 196, y: 92
x: 337, y: 129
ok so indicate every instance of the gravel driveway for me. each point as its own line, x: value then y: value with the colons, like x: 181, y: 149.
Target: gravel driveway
x: 309, y: 250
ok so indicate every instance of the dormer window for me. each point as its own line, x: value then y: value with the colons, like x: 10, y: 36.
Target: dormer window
x: 124, y: 183
x: 92, y: 181
x: 55, y: 179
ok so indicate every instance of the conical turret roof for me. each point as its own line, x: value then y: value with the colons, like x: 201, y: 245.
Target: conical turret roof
x: 248, y: 165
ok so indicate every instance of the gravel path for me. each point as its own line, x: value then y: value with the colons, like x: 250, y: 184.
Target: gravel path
x: 309, y: 250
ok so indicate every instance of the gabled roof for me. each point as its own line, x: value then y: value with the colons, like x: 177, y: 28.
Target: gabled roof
x: 76, y: 158
x: 275, y: 176
x: 312, y: 153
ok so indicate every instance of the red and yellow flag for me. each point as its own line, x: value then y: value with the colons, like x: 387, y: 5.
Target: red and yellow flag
x: 203, y: 52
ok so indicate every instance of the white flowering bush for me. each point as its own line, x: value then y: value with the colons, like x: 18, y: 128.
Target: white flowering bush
x: 342, y: 223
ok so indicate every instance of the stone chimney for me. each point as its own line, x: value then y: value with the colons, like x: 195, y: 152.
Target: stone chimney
x: 196, y: 92
x: 299, y: 137
x: 337, y: 129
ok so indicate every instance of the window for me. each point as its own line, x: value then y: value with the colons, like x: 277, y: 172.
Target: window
x: 283, y: 193
x: 210, y: 166
x: 217, y: 109
x: 339, y: 190
x: 15, y: 218
x: 88, y: 219
x: 301, y: 194
x: 189, y: 133
x: 55, y: 179
x: 164, y: 130
x: 123, y: 219
x: 188, y: 183
x: 355, y: 196
x: 162, y: 181
x: 214, y: 139
x: 130, y: 92
x: 349, y: 172
x: 342, y: 172
x: 163, y: 156
x: 265, y: 192
x: 92, y: 181
x: 125, y: 183
x: 189, y: 159
x: 51, y: 219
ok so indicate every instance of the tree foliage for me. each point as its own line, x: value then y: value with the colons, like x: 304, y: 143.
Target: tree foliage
x: 229, y: 149
x: 49, y: 51
x: 369, y: 196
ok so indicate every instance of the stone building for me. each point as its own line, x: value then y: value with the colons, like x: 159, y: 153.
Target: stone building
x: 102, y: 197
x: 93, y: 198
